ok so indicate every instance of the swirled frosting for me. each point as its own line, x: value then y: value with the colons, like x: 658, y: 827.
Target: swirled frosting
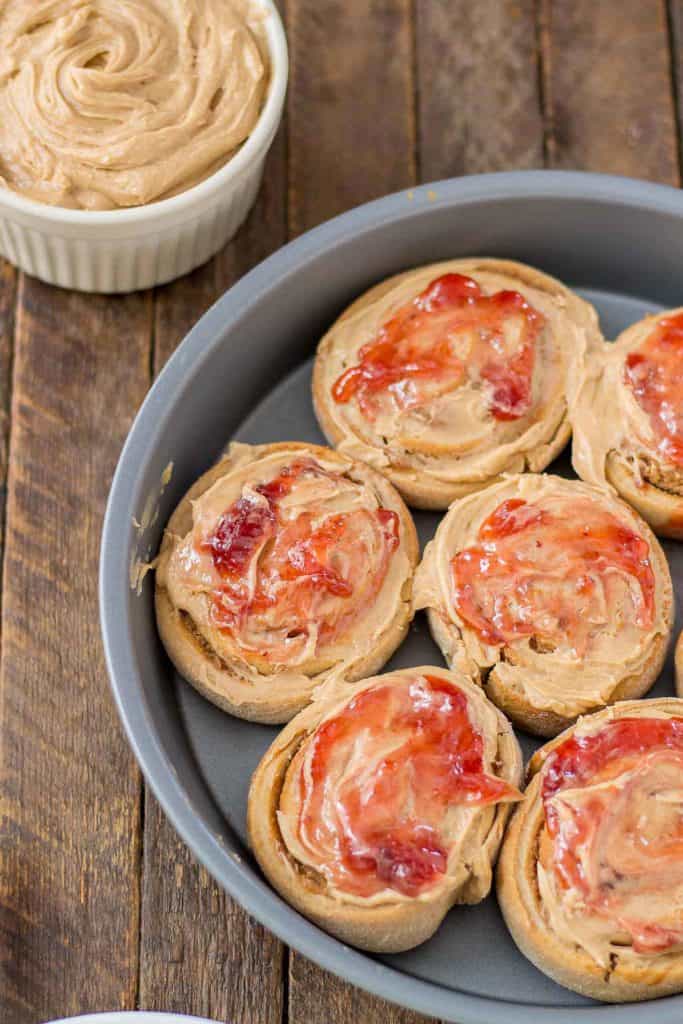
x: 610, y: 870
x: 629, y: 403
x: 453, y: 373
x: 115, y: 103
x: 550, y: 584
x: 392, y: 796
x: 292, y: 565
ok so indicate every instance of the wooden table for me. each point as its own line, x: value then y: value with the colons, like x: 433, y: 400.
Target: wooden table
x: 101, y: 905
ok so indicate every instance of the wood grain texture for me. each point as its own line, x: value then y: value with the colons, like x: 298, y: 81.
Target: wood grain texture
x: 316, y: 997
x: 8, y: 294
x: 200, y: 952
x: 607, y: 83
x: 479, y: 107
x: 70, y: 851
x: 351, y: 105
x: 675, y: 12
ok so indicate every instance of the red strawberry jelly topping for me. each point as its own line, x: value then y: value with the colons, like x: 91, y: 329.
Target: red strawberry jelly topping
x: 617, y: 844
x: 537, y: 572
x: 417, y: 348
x: 382, y: 826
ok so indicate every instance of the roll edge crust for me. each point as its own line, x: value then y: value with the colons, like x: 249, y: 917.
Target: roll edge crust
x: 264, y: 697
x: 545, y: 723
x: 521, y: 906
x: 662, y: 509
x: 426, y: 490
x: 387, y: 927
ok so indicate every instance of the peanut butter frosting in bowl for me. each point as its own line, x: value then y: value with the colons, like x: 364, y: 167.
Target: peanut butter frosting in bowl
x: 106, y: 104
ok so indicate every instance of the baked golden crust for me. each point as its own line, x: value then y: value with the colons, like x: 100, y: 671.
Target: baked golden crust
x: 625, y: 977
x: 431, y: 476
x: 614, y: 444
x: 543, y: 690
x: 252, y: 688
x: 391, y: 923
x: 661, y: 508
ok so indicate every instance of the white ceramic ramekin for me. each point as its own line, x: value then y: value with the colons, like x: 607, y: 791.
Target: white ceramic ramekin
x: 133, y: 1017
x: 123, y: 250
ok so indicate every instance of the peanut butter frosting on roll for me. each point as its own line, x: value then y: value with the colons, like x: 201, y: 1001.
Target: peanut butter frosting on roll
x: 551, y: 592
x: 383, y: 804
x: 284, y: 566
x: 613, y: 878
x: 116, y: 103
x: 590, y: 877
x: 389, y: 798
x: 450, y: 375
x: 290, y: 565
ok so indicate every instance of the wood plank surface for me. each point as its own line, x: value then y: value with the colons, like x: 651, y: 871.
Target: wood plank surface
x: 8, y: 295
x: 351, y: 105
x: 478, y: 87
x: 69, y: 858
x: 200, y: 952
x: 675, y: 12
x: 607, y: 83
x: 316, y: 997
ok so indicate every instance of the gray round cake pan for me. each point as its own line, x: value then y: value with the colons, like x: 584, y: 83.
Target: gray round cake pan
x: 244, y: 372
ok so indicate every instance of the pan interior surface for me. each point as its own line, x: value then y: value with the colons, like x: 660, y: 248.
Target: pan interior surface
x: 244, y: 373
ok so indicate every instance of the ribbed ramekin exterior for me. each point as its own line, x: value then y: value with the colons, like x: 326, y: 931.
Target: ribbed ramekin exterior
x: 110, y: 264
